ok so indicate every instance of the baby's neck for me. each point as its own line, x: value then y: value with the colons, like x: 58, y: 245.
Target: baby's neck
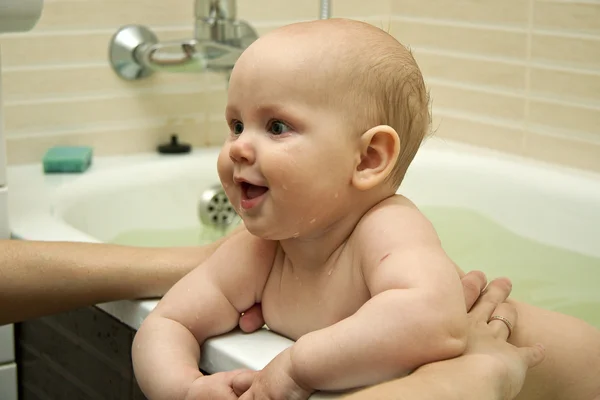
x: 313, y: 251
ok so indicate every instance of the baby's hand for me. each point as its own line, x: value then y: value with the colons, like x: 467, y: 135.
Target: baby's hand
x: 216, y: 386
x: 274, y: 382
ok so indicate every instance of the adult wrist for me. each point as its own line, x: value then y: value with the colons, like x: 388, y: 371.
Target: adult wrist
x: 470, y: 376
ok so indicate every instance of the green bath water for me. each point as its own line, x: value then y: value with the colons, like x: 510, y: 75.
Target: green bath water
x: 194, y: 236
x: 542, y: 275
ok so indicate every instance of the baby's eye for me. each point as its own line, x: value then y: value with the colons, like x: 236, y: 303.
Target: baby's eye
x: 278, y: 128
x: 237, y: 127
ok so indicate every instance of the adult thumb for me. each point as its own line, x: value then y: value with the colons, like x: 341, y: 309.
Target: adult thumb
x: 242, y: 382
x: 532, y: 355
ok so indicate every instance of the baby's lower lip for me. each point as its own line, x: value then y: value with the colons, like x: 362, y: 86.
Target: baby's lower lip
x: 252, y: 195
x: 247, y: 203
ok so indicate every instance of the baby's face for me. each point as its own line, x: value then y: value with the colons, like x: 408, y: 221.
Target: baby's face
x: 288, y: 161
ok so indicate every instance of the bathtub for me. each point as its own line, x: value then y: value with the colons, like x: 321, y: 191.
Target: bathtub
x: 537, y: 223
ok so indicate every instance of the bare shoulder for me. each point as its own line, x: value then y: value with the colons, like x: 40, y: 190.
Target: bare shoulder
x: 245, y: 244
x: 395, y: 219
x: 242, y: 260
x: 398, y: 247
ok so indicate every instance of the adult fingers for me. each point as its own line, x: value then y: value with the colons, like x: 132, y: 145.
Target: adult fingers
x: 473, y: 283
x: 495, y: 293
x: 242, y: 382
x: 503, y: 320
x: 532, y: 355
x: 252, y: 319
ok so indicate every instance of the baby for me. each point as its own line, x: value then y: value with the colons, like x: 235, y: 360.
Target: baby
x: 325, y: 118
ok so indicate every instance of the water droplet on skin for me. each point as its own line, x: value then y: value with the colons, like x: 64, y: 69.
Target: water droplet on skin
x: 335, y: 196
x: 330, y: 271
x: 295, y: 235
x: 312, y: 221
x: 285, y: 187
x: 225, y: 185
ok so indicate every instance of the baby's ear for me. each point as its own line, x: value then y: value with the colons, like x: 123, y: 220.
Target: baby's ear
x: 379, y: 150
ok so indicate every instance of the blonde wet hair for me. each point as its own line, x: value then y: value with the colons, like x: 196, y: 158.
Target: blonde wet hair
x: 369, y: 73
x: 387, y: 89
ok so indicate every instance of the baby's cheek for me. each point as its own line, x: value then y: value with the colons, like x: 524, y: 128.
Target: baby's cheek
x: 225, y: 167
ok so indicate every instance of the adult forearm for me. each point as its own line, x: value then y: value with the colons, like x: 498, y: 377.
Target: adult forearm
x: 370, y: 347
x: 41, y: 278
x: 473, y: 377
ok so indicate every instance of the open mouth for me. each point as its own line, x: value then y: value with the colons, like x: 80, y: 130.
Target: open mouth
x: 251, y: 194
x: 251, y: 191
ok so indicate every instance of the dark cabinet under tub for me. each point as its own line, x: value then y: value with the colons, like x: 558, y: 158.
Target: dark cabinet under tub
x: 83, y: 354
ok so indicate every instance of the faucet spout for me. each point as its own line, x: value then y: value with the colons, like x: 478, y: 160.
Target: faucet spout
x: 213, y: 10
x: 216, y: 21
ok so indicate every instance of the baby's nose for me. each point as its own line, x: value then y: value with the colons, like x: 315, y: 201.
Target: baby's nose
x: 242, y: 151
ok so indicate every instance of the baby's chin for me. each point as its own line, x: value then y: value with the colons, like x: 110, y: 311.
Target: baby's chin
x: 268, y: 232
x: 259, y: 229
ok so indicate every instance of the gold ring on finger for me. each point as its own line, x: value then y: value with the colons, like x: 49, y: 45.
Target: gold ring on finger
x: 506, y: 322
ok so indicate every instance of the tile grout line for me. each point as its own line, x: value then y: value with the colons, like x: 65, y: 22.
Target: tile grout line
x: 571, y: 135
x: 459, y: 23
x: 504, y: 60
x: 527, y: 105
x: 103, y: 127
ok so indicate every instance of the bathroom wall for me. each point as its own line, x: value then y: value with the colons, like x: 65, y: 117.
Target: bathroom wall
x: 521, y: 76
x: 59, y: 88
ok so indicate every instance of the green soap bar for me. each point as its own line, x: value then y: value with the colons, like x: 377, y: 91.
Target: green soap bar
x: 67, y: 159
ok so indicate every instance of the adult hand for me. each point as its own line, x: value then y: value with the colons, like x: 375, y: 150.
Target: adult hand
x: 274, y: 382
x: 487, y: 341
x: 216, y: 386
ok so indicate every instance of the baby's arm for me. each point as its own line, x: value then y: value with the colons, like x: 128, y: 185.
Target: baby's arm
x: 416, y: 313
x: 205, y: 303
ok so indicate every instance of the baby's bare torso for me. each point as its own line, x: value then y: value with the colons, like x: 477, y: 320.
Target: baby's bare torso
x: 301, y: 299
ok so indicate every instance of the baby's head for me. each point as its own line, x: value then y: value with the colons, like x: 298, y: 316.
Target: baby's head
x: 331, y: 105
x: 373, y: 78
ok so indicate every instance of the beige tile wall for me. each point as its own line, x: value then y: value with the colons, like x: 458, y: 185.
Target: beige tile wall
x: 59, y: 89
x: 521, y: 76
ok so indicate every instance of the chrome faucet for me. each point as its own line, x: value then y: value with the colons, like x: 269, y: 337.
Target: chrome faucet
x: 219, y: 40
